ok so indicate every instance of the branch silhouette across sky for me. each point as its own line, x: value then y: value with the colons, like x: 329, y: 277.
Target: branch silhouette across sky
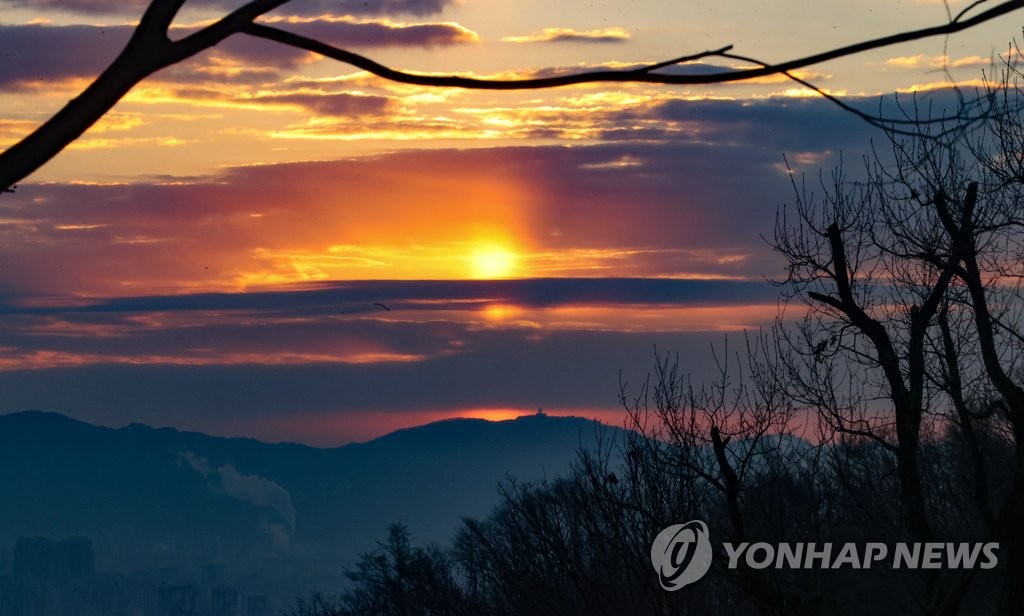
x: 150, y: 49
x: 644, y: 74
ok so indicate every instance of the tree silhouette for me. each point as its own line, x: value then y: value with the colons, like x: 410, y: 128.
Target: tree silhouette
x: 396, y: 579
x: 893, y: 411
x: 150, y: 49
x: 913, y: 282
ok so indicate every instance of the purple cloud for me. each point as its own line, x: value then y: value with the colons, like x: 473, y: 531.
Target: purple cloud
x: 298, y: 7
x: 348, y: 33
x: 36, y: 55
x: 490, y: 368
x: 338, y: 104
x: 569, y: 35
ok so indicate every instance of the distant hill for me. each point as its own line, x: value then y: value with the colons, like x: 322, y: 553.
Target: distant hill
x: 151, y: 498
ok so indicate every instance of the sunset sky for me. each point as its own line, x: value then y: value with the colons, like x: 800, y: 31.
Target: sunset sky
x: 258, y: 242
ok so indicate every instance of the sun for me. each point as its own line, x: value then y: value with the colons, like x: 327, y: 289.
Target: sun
x: 493, y: 261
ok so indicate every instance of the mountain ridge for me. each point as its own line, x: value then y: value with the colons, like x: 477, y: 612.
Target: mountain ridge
x: 160, y: 497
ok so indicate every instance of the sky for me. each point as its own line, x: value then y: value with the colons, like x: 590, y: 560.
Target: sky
x: 260, y: 242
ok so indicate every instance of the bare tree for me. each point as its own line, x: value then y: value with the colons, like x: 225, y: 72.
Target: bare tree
x: 913, y: 282
x: 151, y: 49
x: 891, y: 412
x: 396, y: 579
x: 740, y: 441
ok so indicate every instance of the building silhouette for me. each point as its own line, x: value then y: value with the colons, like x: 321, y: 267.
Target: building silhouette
x: 59, y: 578
x: 37, y: 559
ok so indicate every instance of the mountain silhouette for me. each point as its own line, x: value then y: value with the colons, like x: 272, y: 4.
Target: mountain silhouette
x: 151, y: 498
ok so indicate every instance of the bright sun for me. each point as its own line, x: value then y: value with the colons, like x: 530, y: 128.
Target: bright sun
x: 493, y: 261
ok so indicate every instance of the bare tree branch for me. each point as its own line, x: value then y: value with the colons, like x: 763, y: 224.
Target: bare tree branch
x: 643, y: 74
x: 150, y: 49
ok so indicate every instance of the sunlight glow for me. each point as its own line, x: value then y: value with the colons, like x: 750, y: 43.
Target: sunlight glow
x: 493, y: 261
x: 492, y: 414
x: 499, y: 313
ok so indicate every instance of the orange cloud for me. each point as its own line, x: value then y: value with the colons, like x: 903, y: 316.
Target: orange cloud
x: 348, y: 31
x: 13, y: 130
x: 922, y: 61
x: 623, y: 318
x: 568, y: 35
x: 11, y: 359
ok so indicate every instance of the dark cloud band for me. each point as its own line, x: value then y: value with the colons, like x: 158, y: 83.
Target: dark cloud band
x: 37, y: 55
x: 360, y: 296
x: 300, y: 7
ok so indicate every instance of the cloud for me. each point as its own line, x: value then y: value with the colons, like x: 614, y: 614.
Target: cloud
x: 495, y: 368
x: 814, y: 124
x: 922, y: 61
x: 708, y: 68
x: 602, y: 116
x: 195, y: 361
x: 562, y: 209
x: 344, y: 31
x: 692, y: 201
x: 355, y: 297
x: 685, y: 68
x: 100, y: 7
x: 568, y: 35
x: 303, y: 7
x: 701, y: 185
x: 343, y: 106
x: 11, y: 130
x: 515, y: 344
x: 339, y: 104
x: 39, y: 56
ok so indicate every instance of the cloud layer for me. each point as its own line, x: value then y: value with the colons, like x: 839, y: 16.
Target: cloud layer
x: 302, y: 7
x: 41, y: 56
x: 680, y: 189
x: 568, y: 35
x: 426, y: 364
x: 626, y: 210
